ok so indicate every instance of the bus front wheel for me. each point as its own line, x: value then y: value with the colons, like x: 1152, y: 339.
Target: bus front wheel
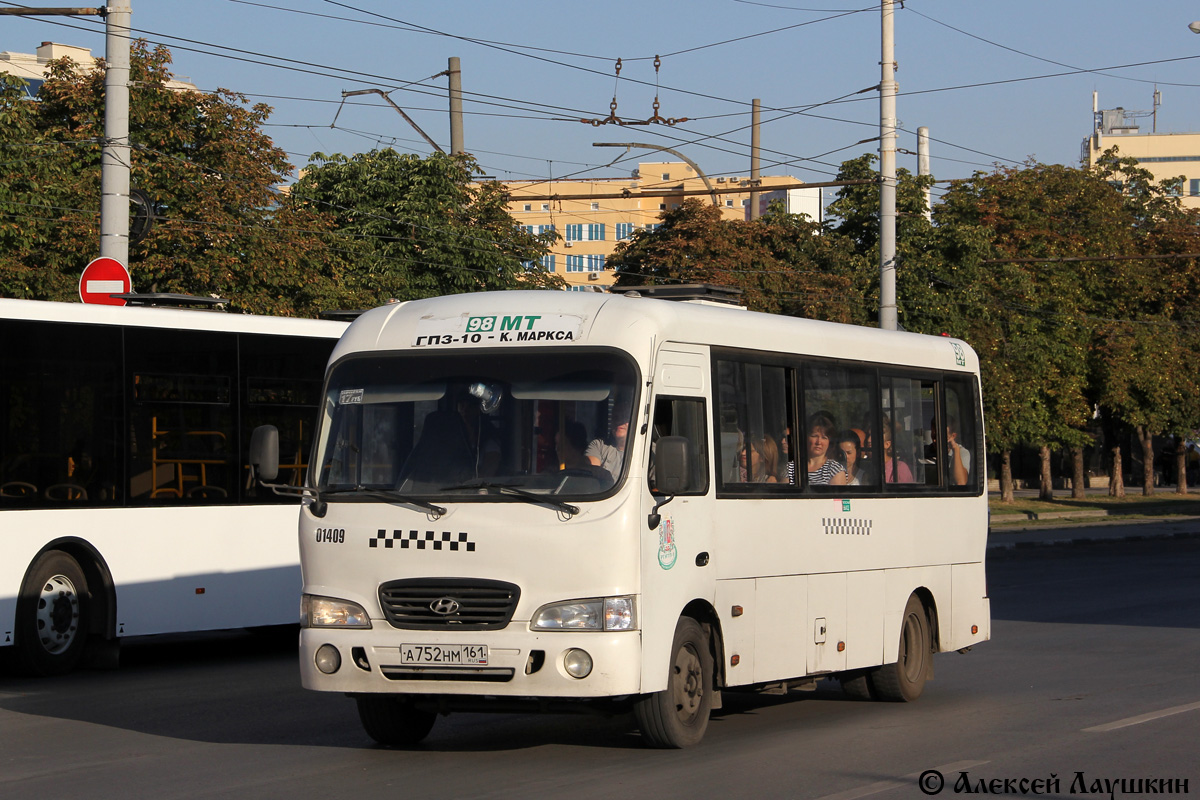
x: 52, y: 613
x: 904, y: 680
x: 393, y: 721
x: 678, y: 715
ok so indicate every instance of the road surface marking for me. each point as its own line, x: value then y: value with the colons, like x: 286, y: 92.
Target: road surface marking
x: 1138, y: 720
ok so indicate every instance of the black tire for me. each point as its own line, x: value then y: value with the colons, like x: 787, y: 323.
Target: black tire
x: 393, y: 721
x: 858, y: 685
x: 678, y: 716
x: 52, y: 616
x: 903, y: 681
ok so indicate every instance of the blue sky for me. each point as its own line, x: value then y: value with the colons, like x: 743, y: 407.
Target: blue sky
x: 995, y: 82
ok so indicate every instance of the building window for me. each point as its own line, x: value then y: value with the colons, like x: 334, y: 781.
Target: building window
x: 625, y: 230
x: 544, y: 228
x: 729, y: 204
x: 595, y: 263
x: 579, y: 232
x: 548, y: 263
x: 575, y: 263
x: 529, y: 206
x: 526, y: 229
x: 653, y: 226
x: 545, y: 206
x: 595, y: 206
x: 1194, y: 187
x: 666, y: 176
x: 662, y: 206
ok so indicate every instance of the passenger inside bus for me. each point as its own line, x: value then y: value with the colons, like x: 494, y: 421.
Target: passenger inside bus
x: 894, y: 469
x: 609, y: 452
x: 850, y: 453
x: 958, y: 458
x: 570, y: 444
x: 763, y: 466
x: 823, y: 470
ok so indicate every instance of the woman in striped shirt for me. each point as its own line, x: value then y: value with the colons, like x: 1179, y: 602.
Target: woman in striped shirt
x: 822, y: 470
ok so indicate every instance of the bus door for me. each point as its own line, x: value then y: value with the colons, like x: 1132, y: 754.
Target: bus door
x: 677, y: 552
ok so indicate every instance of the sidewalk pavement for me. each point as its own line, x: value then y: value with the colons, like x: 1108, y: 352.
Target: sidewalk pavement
x: 1006, y: 532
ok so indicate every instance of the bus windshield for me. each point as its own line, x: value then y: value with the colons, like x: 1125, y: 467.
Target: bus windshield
x: 476, y: 426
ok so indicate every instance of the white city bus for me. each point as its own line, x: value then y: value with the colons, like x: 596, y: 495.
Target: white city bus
x: 125, y: 507
x: 458, y: 554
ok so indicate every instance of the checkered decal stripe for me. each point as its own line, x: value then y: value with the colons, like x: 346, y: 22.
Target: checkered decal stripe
x: 426, y: 540
x: 842, y: 526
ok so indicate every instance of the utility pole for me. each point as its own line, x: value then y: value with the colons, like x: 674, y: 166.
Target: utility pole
x: 887, y: 170
x: 114, y: 158
x: 923, y: 168
x: 755, y: 174
x: 456, y: 112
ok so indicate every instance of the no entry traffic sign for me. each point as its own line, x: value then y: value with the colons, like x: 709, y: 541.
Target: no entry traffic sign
x: 103, y: 278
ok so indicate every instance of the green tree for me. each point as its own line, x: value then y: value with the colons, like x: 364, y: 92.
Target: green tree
x: 204, y: 163
x: 1146, y: 348
x: 781, y: 262
x: 1033, y: 331
x: 414, y: 227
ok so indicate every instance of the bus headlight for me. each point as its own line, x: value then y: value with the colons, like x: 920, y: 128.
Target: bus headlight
x: 329, y: 612
x: 600, y: 613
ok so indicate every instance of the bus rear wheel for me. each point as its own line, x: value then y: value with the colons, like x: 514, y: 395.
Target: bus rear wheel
x: 393, y: 721
x: 678, y: 716
x: 52, y: 613
x: 903, y: 681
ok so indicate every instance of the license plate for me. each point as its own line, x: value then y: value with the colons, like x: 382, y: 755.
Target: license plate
x: 444, y: 655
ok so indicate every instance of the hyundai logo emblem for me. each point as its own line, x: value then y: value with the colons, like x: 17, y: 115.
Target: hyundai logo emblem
x: 444, y: 606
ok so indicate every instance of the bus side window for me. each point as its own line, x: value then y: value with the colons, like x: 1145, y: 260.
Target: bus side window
x: 754, y: 424
x: 686, y: 417
x: 962, y: 439
x: 840, y: 419
x: 907, y: 406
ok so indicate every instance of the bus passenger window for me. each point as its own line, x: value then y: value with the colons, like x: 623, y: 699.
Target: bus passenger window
x: 754, y: 423
x: 907, y: 405
x: 961, y: 436
x: 841, y: 414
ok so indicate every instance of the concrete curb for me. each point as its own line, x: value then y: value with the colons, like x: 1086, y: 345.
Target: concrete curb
x: 1022, y: 537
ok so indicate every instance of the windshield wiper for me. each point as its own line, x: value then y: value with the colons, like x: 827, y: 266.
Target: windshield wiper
x: 388, y: 495
x: 512, y: 491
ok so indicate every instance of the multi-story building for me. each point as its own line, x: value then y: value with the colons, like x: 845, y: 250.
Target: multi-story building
x: 1165, y: 155
x: 31, y: 67
x: 592, y: 216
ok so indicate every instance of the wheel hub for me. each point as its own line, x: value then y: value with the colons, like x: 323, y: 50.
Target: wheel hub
x: 57, y: 614
x: 689, y: 689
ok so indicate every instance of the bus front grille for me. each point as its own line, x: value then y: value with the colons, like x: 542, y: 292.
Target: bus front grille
x: 448, y: 603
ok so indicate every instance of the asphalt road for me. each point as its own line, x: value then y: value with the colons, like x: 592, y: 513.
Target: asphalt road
x: 1092, y: 672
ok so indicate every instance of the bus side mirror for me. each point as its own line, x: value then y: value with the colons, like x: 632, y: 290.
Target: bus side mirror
x: 672, y: 459
x: 264, y: 453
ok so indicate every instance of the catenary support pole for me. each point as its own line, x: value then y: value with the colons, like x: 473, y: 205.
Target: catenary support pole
x: 755, y: 173
x: 923, y: 168
x: 887, y: 170
x: 115, y: 157
x: 456, y: 110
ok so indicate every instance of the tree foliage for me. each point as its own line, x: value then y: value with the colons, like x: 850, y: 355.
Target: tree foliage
x: 206, y: 166
x: 781, y: 262
x: 415, y: 227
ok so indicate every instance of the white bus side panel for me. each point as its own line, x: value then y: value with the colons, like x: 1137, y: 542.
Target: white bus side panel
x: 173, y: 569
